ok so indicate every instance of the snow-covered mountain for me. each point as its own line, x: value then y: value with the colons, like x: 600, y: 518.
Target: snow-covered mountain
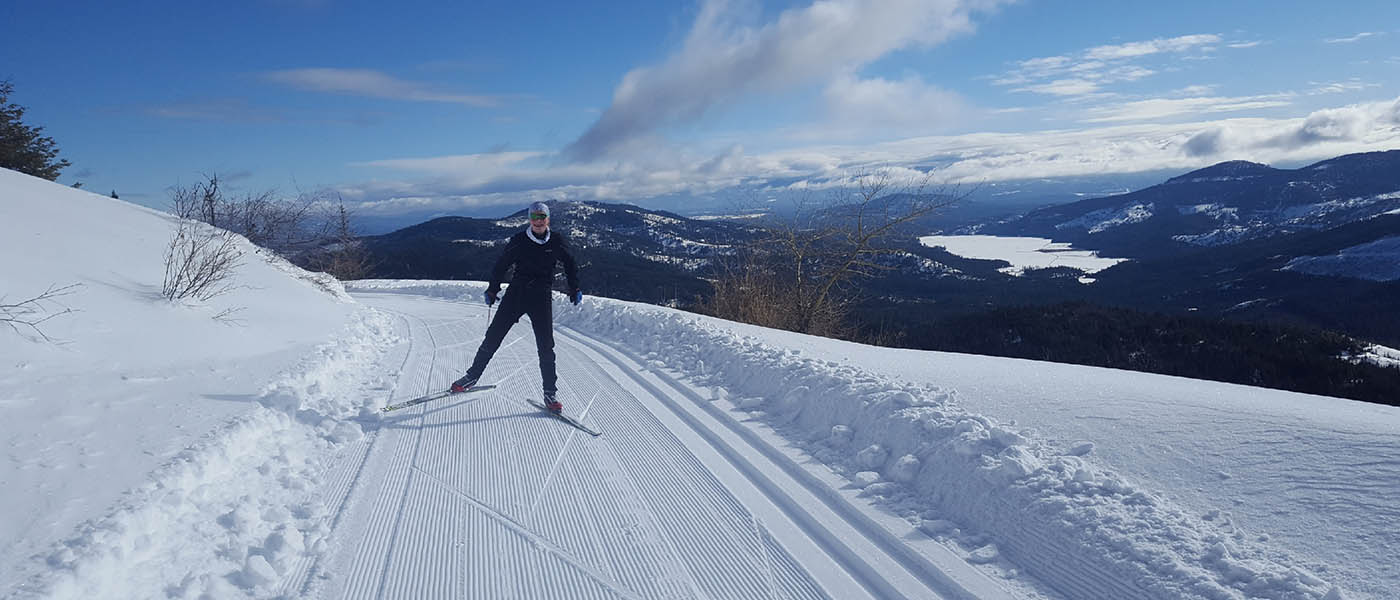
x: 154, y: 451
x: 1224, y: 204
x: 634, y: 253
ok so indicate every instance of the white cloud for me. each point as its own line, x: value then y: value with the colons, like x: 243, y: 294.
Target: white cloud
x: 722, y: 60
x: 1326, y: 132
x: 1088, y: 71
x: 1129, y: 73
x: 1339, y: 87
x: 904, y: 104
x: 1159, y: 108
x: 466, y: 163
x: 1063, y: 87
x: 1244, y: 44
x: 1195, y: 90
x: 1355, y: 38
x: 1157, y: 46
x: 235, y: 110
x: 373, y: 84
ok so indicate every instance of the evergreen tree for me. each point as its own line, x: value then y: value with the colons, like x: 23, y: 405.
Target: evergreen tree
x: 22, y: 148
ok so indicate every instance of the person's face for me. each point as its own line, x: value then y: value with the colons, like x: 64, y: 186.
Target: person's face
x: 539, y: 222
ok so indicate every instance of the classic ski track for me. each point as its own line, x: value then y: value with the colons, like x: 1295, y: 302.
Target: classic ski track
x: 865, y: 574
x: 408, y: 480
x: 914, y: 563
x: 670, y: 556
x: 534, y: 538
x: 367, y: 569
x: 634, y: 514
x: 726, y: 518
x: 554, y: 468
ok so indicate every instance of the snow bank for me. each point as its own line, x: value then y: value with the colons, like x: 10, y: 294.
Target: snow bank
x: 1063, y: 517
x: 235, y: 515
x: 329, y: 385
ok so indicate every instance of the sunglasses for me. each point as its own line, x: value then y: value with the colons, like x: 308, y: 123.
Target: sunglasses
x: 538, y: 216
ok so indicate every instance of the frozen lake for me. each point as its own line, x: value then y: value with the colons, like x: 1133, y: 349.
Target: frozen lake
x: 1022, y: 252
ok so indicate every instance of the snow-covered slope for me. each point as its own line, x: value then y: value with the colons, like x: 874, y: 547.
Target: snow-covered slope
x: 1225, y: 204
x: 159, y: 453
x: 129, y: 380
x: 1377, y: 261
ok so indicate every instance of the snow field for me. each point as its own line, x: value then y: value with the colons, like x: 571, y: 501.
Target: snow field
x: 1060, y: 516
x: 238, y: 514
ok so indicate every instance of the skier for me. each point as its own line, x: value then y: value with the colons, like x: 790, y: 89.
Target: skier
x: 533, y: 253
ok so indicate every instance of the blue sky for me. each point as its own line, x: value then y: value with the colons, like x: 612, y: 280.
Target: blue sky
x: 479, y: 107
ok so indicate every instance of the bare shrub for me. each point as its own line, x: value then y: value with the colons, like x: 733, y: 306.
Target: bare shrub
x: 31, y: 313
x: 199, y: 262
x: 801, y: 273
x: 285, y: 226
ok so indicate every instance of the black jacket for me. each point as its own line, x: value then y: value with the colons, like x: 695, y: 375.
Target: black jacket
x: 534, y: 264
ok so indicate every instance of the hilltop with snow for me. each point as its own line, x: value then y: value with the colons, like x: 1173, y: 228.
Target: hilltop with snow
x: 234, y: 448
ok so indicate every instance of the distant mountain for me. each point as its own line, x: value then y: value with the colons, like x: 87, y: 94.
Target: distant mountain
x: 1318, y: 246
x: 1346, y: 278
x: 628, y: 252
x: 1224, y: 204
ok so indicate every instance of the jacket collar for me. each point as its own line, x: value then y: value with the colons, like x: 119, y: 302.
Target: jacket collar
x: 531, y: 232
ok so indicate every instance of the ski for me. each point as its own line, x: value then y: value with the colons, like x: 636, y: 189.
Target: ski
x: 565, y: 418
x: 433, y: 396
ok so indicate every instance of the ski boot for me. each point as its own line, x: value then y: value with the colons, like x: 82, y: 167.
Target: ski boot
x: 552, y: 403
x: 465, y: 383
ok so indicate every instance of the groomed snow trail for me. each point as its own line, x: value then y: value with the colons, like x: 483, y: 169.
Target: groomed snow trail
x: 481, y: 496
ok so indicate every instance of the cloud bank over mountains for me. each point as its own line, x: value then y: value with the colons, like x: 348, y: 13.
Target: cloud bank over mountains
x: 473, y: 181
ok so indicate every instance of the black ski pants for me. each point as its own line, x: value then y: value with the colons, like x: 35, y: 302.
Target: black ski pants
x: 539, y: 305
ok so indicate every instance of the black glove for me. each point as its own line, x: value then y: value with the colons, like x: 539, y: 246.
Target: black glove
x: 490, y: 297
x: 576, y: 296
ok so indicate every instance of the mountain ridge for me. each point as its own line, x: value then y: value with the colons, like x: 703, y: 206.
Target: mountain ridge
x: 1222, y: 204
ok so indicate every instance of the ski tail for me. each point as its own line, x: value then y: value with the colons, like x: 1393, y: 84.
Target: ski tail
x: 565, y: 418
x: 434, y: 396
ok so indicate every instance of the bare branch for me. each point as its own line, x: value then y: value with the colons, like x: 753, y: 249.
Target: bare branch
x: 199, y: 262
x: 227, y: 317
x: 35, y: 311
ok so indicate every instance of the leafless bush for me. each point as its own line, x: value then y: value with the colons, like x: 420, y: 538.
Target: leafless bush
x: 801, y: 273
x: 31, y: 313
x: 199, y: 262
x: 314, y: 230
x: 282, y: 225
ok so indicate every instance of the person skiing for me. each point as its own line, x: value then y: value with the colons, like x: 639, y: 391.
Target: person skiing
x: 533, y: 253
